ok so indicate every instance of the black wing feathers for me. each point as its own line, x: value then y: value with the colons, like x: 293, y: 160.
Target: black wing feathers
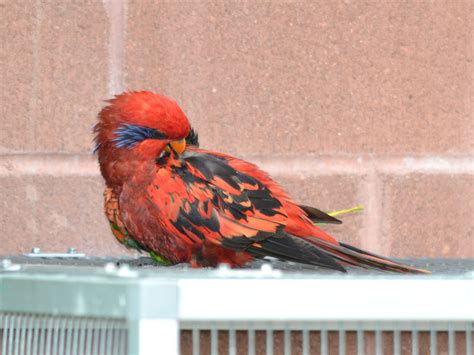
x: 287, y: 247
x: 318, y: 216
x: 278, y: 243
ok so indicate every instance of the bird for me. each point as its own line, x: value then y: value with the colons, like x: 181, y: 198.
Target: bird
x: 180, y: 203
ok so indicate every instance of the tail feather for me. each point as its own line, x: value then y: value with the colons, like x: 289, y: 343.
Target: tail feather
x: 285, y: 246
x: 318, y: 252
x: 351, y: 255
x: 318, y: 216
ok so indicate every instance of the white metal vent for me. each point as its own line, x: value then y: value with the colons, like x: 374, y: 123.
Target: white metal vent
x: 110, y: 309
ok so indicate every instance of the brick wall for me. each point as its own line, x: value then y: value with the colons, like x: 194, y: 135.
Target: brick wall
x: 342, y: 102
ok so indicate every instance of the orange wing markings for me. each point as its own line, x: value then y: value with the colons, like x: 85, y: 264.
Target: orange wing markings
x: 297, y: 221
x: 253, y: 223
x: 218, y: 182
x: 112, y: 212
x: 232, y: 228
x: 211, y: 203
x: 206, y: 198
x: 177, y: 205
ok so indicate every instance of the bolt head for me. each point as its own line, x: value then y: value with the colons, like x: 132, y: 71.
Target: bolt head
x: 224, y: 267
x: 266, y: 268
x: 110, y: 267
x: 6, y: 263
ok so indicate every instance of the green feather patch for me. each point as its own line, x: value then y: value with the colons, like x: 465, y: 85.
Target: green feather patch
x: 159, y: 259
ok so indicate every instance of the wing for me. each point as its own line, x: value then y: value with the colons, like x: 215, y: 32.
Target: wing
x: 314, y: 214
x: 112, y: 212
x: 200, y: 197
x: 204, y: 198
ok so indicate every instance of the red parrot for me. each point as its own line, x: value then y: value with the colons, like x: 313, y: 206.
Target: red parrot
x: 191, y: 205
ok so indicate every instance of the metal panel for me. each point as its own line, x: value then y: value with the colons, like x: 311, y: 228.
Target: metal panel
x: 81, y: 311
x: 287, y: 341
x: 396, y: 343
x: 232, y: 342
x: 214, y: 341
x: 251, y: 341
x: 269, y: 341
x: 378, y: 342
x: 414, y: 342
x: 469, y: 339
x: 30, y: 334
x: 195, y: 339
x: 306, y: 343
x: 324, y: 341
x: 374, y: 299
x: 342, y: 340
x: 370, y: 339
x: 360, y: 342
x: 451, y: 341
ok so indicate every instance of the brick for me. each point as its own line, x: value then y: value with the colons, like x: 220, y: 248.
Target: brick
x: 428, y: 215
x: 325, y: 77
x: 332, y: 193
x: 54, y: 75
x: 161, y: 57
x: 16, y: 32
x: 55, y: 213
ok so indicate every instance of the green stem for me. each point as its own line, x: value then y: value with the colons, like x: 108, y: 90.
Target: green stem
x: 353, y: 209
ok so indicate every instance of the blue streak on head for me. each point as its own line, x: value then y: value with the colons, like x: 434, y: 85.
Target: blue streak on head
x: 96, y: 148
x: 129, y: 135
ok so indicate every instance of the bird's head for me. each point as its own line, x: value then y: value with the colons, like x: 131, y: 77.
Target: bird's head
x: 139, y: 126
x: 143, y: 123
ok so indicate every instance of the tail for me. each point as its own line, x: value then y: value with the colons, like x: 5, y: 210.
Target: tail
x: 327, y: 254
x: 287, y: 247
x: 349, y: 255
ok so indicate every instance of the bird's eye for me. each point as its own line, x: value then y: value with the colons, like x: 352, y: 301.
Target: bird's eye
x: 163, y: 153
x: 155, y: 134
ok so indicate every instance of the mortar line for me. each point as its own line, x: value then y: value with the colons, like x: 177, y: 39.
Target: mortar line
x: 373, y: 216
x: 33, y: 105
x: 35, y: 47
x: 47, y: 163
x: 363, y: 166
x: 116, y: 13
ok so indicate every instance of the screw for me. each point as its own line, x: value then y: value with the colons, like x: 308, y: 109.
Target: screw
x: 9, y: 266
x: 125, y: 271
x: 224, y: 267
x: 36, y: 250
x: 124, y: 268
x: 71, y: 251
x: 6, y: 263
x: 266, y: 268
x: 110, y: 267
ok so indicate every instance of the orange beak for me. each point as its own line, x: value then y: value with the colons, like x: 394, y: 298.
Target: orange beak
x: 177, y: 146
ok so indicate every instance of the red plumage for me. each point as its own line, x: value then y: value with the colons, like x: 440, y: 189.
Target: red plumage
x: 199, y: 206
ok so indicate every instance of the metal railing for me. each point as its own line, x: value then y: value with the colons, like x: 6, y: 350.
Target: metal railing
x: 121, y: 310
x: 30, y: 333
